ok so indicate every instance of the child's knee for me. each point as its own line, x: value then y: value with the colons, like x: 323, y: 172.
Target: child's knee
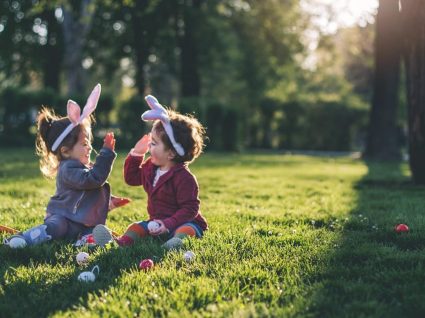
x: 185, y: 230
x: 57, y: 226
x: 136, y: 230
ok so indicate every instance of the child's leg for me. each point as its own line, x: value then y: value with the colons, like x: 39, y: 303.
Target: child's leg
x: 54, y: 227
x: 57, y: 226
x: 183, y: 231
x: 102, y: 235
x: 76, y: 230
x: 133, y: 233
x: 33, y: 236
x: 188, y: 229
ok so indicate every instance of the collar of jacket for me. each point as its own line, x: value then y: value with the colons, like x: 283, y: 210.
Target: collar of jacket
x: 168, y: 175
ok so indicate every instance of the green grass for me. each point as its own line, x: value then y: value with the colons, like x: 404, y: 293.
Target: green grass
x: 290, y: 236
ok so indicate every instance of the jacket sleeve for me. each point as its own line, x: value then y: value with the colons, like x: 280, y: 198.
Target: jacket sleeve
x: 133, y: 172
x: 187, y: 199
x: 81, y: 178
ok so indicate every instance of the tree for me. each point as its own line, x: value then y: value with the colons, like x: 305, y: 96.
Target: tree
x: 413, y: 26
x: 77, y: 21
x: 22, y: 38
x: 382, y: 141
x: 53, y: 50
x: 190, y: 77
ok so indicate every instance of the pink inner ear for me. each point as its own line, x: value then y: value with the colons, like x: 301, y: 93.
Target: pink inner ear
x: 74, y: 111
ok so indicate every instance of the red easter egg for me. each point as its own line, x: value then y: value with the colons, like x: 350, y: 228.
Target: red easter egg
x: 401, y: 228
x: 146, y: 264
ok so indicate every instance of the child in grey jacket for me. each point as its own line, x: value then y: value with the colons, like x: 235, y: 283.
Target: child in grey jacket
x: 83, y: 195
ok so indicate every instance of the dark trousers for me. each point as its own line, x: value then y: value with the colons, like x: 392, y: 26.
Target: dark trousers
x: 59, y: 227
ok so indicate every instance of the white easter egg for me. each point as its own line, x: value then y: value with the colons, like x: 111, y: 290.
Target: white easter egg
x: 86, y: 277
x: 82, y: 258
x: 17, y: 242
x: 152, y: 226
x: 189, y: 256
x: 89, y: 277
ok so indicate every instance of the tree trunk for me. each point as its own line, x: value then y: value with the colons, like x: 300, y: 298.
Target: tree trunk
x: 190, y: 79
x: 382, y: 142
x: 75, y: 32
x: 53, y: 52
x: 413, y: 18
x: 141, y: 48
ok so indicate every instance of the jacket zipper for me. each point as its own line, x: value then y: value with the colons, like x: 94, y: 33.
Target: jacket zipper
x: 78, y: 202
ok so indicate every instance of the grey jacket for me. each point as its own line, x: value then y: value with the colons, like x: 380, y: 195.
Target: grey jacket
x: 83, y: 194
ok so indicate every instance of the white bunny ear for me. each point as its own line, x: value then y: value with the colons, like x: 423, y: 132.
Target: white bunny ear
x: 157, y: 110
x: 74, y: 116
x: 73, y: 111
x: 91, y: 102
x: 153, y: 102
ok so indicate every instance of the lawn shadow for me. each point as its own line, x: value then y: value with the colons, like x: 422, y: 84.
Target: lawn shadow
x: 371, y: 271
x: 18, y: 164
x: 40, y: 295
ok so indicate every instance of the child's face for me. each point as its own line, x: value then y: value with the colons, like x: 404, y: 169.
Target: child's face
x: 160, y: 156
x: 82, y: 149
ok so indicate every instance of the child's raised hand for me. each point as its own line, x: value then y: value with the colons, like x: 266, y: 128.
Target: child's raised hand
x: 109, y: 141
x: 142, y: 145
x: 160, y: 230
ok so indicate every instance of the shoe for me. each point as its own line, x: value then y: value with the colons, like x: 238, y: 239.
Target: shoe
x: 16, y: 241
x: 125, y: 240
x: 102, y: 235
x: 34, y: 236
x: 174, y: 243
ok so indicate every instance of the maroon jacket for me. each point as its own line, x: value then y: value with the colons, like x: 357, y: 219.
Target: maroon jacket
x: 174, y: 200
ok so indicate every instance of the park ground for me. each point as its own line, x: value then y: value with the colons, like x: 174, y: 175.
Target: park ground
x: 290, y: 236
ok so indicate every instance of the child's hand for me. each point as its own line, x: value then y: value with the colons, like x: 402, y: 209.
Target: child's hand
x: 161, y: 230
x: 109, y: 141
x: 142, y: 145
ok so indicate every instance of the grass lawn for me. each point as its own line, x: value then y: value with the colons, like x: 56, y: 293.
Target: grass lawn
x: 290, y: 236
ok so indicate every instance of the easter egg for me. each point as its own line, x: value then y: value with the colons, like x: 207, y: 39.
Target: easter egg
x: 152, y: 226
x: 401, y: 228
x: 146, y: 264
x: 82, y: 258
x: 189, y: 256
x: 86, y: 277
x: 89, y: 277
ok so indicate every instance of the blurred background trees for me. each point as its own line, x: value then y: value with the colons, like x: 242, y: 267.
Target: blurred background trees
x: 258, y: 74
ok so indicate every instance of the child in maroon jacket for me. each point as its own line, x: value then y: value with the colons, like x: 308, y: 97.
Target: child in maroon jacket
x: 173, y: 203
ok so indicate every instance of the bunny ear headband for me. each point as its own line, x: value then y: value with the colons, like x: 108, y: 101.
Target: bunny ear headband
x: 159, y: 112
x: 75, y: 116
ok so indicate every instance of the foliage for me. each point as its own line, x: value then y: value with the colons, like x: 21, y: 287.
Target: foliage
x: 19, y: 114
x: 20, y: 108
x: 248, y: 54
x: 131, y: 125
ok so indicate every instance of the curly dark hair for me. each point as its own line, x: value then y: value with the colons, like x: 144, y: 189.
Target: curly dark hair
x: 188, y: 132
x: 49, y: 127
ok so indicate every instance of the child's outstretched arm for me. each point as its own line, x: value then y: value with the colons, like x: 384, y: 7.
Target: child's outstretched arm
x: 83, y: 178
x: 132, y: 169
